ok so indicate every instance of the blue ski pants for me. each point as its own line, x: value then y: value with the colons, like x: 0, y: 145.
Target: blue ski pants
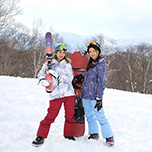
x: 93, y: 116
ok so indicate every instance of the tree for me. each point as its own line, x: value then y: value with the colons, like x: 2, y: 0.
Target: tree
x: 8, y: 9
x: 136, y: 67
x: 113, y: 62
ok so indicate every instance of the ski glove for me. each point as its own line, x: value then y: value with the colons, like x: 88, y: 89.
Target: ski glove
x: 77, y: 81
x: 44, y: 82
x: 54, y: 74
x: 98, y: 104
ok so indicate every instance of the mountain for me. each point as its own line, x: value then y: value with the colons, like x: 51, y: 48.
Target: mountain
x: 76, y: 42
x: 24, y: 104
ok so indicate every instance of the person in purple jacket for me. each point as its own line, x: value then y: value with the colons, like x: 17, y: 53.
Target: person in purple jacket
x: 92, y: 94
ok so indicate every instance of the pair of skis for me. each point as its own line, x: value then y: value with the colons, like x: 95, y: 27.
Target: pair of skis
x: 79, y: 63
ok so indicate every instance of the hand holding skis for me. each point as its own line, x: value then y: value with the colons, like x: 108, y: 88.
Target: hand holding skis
x: 44, y: 82
x: 98, y: 104
x: 54, y: 74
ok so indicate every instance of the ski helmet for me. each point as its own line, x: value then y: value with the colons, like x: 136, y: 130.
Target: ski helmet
x: 60, y: 47
x: 94, y: 45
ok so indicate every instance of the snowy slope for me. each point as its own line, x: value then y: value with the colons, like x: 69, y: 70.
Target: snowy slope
x: 23, y: 104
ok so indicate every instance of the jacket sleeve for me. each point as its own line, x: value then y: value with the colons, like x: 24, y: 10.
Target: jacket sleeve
x: 42, y: 73
x: 102, y: 78
x: 68, y: 76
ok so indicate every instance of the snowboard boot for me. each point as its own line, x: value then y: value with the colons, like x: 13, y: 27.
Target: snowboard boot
x: 69, y: 137
x: 38, y: 141
x: 94, y: 136
x: 110, y: 141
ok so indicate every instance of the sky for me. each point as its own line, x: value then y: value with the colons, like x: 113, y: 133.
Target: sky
x: 117, y: 19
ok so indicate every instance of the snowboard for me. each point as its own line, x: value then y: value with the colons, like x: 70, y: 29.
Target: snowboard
x: 79, y: 63
x: 48, y: 52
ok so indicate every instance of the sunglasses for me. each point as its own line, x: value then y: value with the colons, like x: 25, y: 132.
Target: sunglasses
x: 61, y: 47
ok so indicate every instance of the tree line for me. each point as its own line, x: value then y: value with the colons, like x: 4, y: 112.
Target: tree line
x: 22, y: 53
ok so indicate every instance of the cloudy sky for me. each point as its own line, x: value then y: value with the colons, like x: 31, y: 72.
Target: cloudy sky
x: 117, y: 19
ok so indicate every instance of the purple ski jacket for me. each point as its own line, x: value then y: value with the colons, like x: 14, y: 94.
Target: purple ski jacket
x: 95, y: 80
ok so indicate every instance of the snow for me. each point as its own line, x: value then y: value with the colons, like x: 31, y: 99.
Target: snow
x: 24, y: 104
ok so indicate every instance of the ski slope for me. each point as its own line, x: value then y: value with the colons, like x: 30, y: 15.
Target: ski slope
x: 23, y: 104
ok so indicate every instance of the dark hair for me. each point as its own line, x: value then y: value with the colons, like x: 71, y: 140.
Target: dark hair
x: 90, y: 65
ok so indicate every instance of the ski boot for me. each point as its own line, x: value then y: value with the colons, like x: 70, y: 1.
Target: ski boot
x: 69, y: 137
x: 94, y: 136
x: 110, y: 141
x: 38, y: 141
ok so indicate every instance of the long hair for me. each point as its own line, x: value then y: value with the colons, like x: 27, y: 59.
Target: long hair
x: 66, y: 58
x: 90, y: 65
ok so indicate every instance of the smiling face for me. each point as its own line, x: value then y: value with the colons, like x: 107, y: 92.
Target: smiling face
x: 93, y: 53
x: 60, y: 55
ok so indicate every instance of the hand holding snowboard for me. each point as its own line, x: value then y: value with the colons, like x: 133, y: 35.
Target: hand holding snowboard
x: 78, y: 79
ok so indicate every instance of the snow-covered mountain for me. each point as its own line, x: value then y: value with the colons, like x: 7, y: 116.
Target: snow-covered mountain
x: 75, y: 40
x: 23, y: 104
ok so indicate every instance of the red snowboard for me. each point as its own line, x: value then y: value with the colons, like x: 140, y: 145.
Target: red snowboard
x: 79, y: 64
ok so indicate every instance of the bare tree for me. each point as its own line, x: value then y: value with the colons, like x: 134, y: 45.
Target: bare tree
x: 144, y: 67
x: 113, y: 69
x: 8, y: 9
x: 137, y: 68
x: 38, y: 47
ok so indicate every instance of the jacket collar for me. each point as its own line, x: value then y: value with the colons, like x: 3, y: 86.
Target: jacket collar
x: 95, y: 63
x: 54, y: 61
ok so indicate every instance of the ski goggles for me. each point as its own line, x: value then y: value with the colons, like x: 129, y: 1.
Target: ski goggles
x: 92, y: 43
x: 60, y: 48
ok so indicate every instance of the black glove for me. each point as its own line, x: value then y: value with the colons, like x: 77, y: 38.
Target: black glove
x: 98, y: 104
x: 77, y: 80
